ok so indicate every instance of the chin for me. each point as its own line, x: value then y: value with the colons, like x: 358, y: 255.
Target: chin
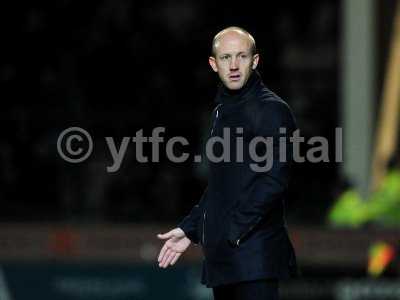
x: 234, y: 85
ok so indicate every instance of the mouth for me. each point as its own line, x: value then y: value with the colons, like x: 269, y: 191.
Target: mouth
x: 234, y: 77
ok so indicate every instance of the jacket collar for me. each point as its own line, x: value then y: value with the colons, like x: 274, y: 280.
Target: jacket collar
x: 227, y: 96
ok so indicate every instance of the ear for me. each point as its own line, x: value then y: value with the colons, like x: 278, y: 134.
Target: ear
x: 213, y: 63
x: 256, y: 58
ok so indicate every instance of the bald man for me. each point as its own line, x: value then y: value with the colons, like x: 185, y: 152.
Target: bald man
x: 240, y: 219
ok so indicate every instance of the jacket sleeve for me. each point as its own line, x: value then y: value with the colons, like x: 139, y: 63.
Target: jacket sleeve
x: 269, y: 186
x: 190, y: 222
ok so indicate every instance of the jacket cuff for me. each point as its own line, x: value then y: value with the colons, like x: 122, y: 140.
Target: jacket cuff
x: 190, y: 231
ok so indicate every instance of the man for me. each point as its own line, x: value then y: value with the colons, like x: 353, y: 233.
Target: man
x: 240, y: 221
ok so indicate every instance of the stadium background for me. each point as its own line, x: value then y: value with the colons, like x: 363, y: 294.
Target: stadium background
x: 76, y: 231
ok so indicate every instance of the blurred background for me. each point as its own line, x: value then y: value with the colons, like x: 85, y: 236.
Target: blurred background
x: 77, y: 231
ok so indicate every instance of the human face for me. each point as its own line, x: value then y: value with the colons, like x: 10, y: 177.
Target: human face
x: 233, y: 60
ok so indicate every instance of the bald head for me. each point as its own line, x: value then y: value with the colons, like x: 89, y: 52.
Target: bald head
x: 230, y: 33
x: 233, y: 56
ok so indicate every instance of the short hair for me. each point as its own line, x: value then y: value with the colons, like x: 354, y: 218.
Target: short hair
x: 216, y: 38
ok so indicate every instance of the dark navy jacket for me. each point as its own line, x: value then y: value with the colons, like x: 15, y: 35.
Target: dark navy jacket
x: 240, y: 219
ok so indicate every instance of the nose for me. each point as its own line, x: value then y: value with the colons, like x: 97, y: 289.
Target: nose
x: 233, y: 64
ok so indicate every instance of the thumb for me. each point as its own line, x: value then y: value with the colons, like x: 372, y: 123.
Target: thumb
x: 166, y: 235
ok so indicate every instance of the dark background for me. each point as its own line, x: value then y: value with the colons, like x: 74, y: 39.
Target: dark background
x: 115, y: 67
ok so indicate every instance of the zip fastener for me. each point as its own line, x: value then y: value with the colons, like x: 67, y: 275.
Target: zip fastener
x: 204, y: 220
x: 215, y: 120
x: 204, y: 214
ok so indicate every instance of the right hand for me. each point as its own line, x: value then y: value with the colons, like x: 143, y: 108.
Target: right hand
x: 176, y: 243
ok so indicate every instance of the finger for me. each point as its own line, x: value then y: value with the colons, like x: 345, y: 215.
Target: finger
x: 162, y: 261
x: 165, y: 258
x: 166, y: 235
x: 162, y: 252
x: 175, y: 259
x: 169, y: 259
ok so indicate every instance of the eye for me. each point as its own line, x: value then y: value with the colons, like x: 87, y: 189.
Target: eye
x: 243, y: 55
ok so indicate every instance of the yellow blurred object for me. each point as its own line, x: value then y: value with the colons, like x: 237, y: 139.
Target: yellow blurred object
x: 384, y: 204
x: 348, y: 211
x: 380, y: 255
x: 382, y: 207
x: 386, y: 139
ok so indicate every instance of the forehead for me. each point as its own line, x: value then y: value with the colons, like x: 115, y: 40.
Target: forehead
x: 232, y: 42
